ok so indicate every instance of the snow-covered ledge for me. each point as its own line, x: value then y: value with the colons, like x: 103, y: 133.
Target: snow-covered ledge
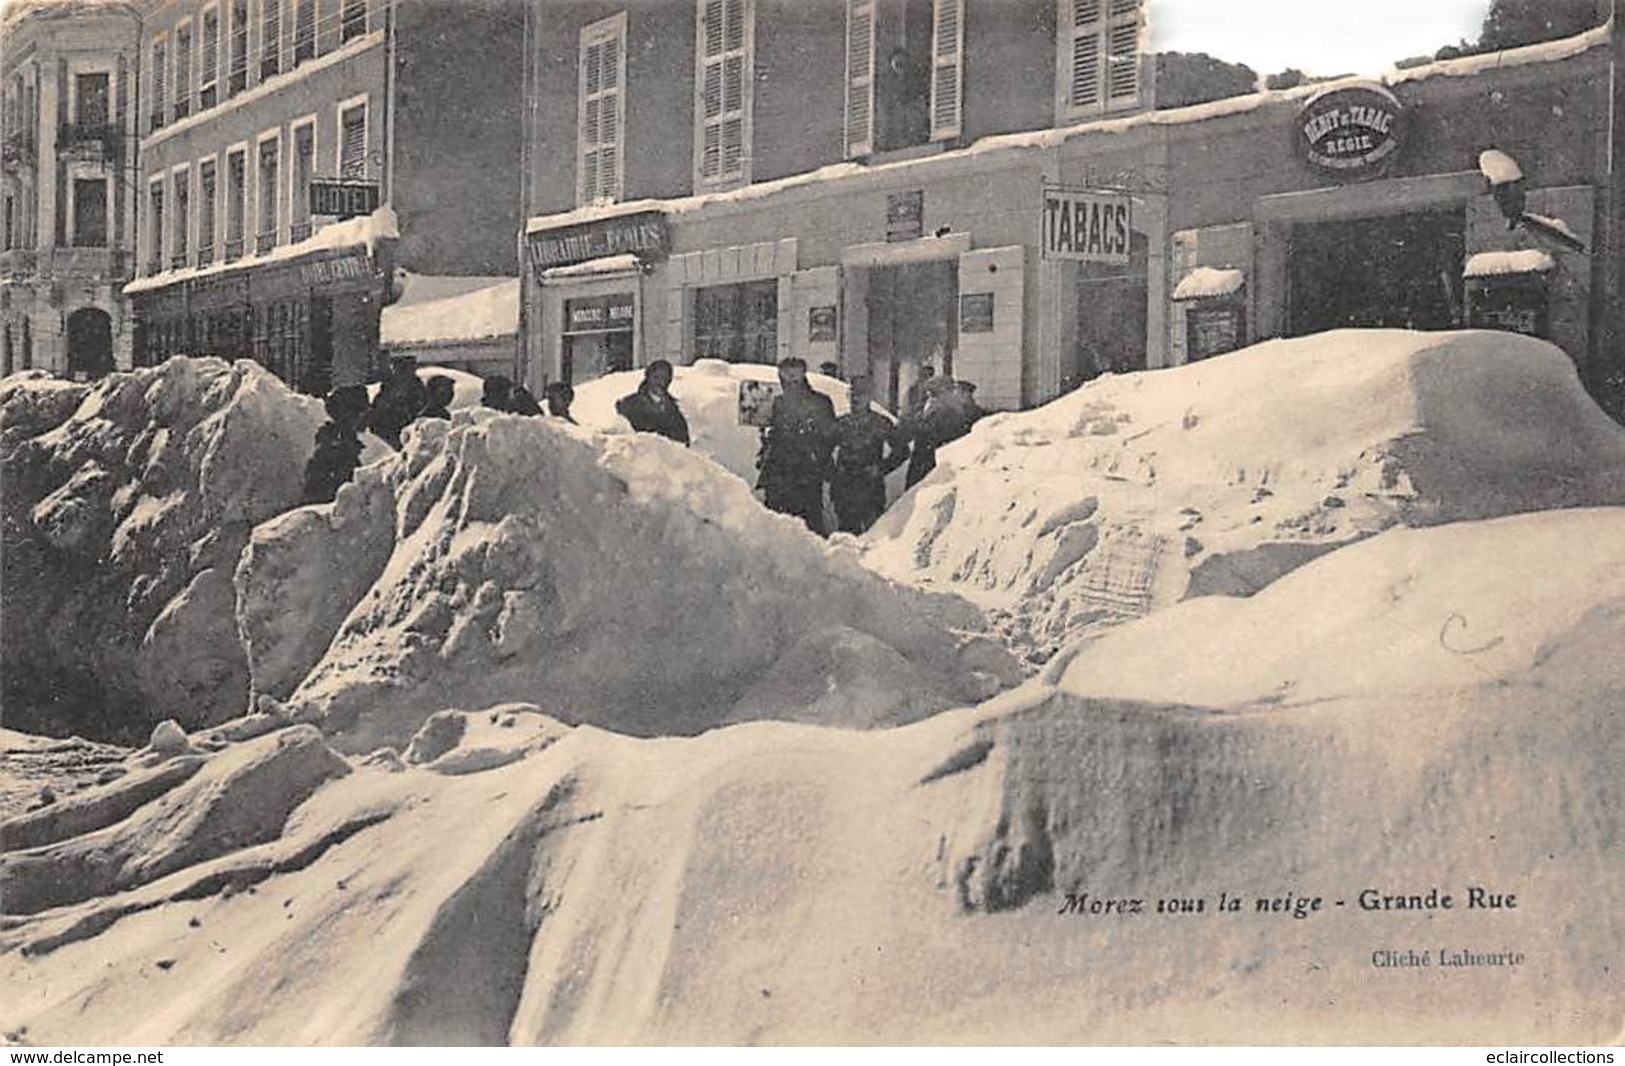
x: 367, y: 230
x: 1502, y: 264
x: 1205, y: 282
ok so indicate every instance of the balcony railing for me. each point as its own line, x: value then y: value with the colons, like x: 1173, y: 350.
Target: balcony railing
x: 156, y: 121
x: 96, y: 263
x: 265, y: 242
x: 181, y: 109
x: 154, y: 266
x: 17, y: 152
x: 298, y: 231
x: 177, y: 261
x: 234, y: 249
x: 18, y: 263
x: 205, y: 254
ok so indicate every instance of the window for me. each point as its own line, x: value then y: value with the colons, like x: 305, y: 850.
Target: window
x: 269, y: 149
x: 300, y: 169
x: 89, y: 213
x: 236, y: 202
x: 947, y: 81
x: 11, y: 232
x: 155, y: 226
x: 237, y: 69
x: 183, y: 70
x: 739, y: 323
x: 353, y: 141
x: 304, y: 30
x: 182, y: 215
x: 209, y: 71
x: 91, y: 100
x: 353, y: 21
x: 206, y: 204
x: 159, y: 69
x: 1099, y: 56
x: 270, y: 38
x: 723, y: 81
x: 602, y: 94
x: 860, y: 77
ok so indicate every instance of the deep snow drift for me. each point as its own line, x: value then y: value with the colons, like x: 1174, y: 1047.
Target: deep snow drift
x: 782, y: 883
x: 622, y: 580
x: 126, y: 505
x: 708, y: 394
x: 1137, y: 491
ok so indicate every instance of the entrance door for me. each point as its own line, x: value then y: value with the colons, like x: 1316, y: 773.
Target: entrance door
x: 319, y: 369
x: 1398, y: 272
x: 912, y: 321
x: 90, y: 344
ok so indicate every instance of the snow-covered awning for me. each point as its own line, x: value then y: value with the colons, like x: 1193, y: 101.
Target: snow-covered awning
x: 1501, y: 264
x: 485, y: 314
x: 364, y: 231
x: 1205, y: 282
x: 609, y: 264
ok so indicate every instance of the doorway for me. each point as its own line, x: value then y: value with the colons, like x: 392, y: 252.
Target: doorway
x: 1395, y: 272
x: 90, y: 344
x: 912, y: 312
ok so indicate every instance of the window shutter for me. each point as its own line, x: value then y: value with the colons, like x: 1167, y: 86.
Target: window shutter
x: 947, y: 102
x: 304, y: 30
x: 860, y: 77
x: 211, y: 48
x: 1123, y: 50
x: 158, y: 75
x: 600, y: 92
x: 353, y: 148
x: 183, y: 71
x: 609, y: 120
x: 724, y: 68
x: 270, y: 38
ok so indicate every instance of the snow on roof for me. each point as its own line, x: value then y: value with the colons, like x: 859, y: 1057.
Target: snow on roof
x: 1499, y: 264
x: 422, y: 288
x: 1208, y: 281
x: 1547, y: 52
x: 609, y: 264
x: 366, y: 230
x: 472, y: 316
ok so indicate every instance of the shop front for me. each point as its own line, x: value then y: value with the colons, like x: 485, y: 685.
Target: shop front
x: 584, y: 296
x: 311, y: 320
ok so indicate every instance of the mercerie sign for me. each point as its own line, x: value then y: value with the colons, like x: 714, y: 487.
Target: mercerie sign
x: 1350, y: 132
x: 642, y: 234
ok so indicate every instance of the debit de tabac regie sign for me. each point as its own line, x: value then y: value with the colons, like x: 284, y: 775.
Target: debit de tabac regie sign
x: 1350, y: 133
x: 642, y: 233
x: 1089, y: 227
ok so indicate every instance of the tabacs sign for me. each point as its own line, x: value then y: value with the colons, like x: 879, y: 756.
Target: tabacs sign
x: 1350, y: 132
x: 1092, y: 227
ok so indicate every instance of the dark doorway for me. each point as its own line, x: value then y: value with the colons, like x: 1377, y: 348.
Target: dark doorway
x: 90, y: 344
x: 1398, y: 272
x: 1111, y: 318
x: 912, y: 321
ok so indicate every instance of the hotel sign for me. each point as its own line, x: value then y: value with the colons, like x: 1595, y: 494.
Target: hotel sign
x: 642, y: 233
x: 1349, y: 133
x: 1090, y: 227
x: 345, y: 199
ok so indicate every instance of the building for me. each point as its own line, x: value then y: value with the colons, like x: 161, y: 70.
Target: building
x: 980, y: 185
x: 297, y: 154
x: 67, y: 184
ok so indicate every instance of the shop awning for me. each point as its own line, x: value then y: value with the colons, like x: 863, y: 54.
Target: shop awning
x: 1502, y: 264
x: 488, y: 313
x: 1206, y: 282
x: 363, y: 232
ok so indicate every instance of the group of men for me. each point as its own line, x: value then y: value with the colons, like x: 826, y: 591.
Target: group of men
x: 805, y: 446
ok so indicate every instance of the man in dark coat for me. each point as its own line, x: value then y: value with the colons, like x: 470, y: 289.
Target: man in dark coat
x: 338, y: 444
x: 400, y: 400
x: 497, y: 393
x: 440, y: 390
x: 559, y: 396
x: 868, y: 446
x: 653, y: 409
x: 795, y: 455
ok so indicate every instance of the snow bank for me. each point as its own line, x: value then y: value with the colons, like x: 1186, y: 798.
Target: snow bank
x: 1496, y: 264
x: 1137, y: 491
x: 1204, y: 282
x: 708, y: 393
x: 778, y: 883
x: 621, y: 580
x: 126, y: 506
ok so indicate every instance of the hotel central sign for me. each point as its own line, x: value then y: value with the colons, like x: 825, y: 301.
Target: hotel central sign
x: 642, y: 233
x: 1349, y: 133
